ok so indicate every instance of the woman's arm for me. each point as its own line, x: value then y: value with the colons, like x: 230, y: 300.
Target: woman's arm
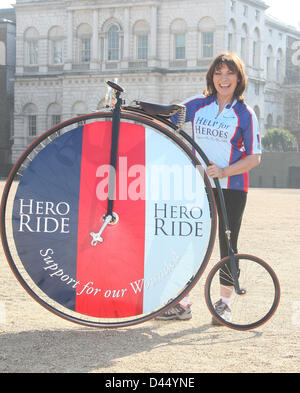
x: 241, y: 166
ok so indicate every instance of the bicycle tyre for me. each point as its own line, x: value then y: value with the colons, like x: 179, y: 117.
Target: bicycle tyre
x: 262, y: 296
x: 36, y: 162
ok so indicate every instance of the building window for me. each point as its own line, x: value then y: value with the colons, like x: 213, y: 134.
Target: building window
x: 57, y: 53
x: 278, y: 71
x: 279, y: 66
x: 233, y: 4
x: 32, y: 52
x: 142, y: 47
x: 31, y: 41
x: 178, y: 29
x: 254, y: 52
x: 56, y: 45
x: 179, y: 46
x: 113, y: 43
x: 55, y: 119
x: 32, y: 125
x: 207, y: 44
x: 244, y: 44
x: 269, y: 63
x: 245, y: 10
x: 269, y: 122
x: 231, y: 43
x: 207, y: 27
x: 141, y: 31
x: 83, y: 43
x: 243, y: 48
x: 30, y: 115
x: 256, y: 49
x: 53, y: 115
x: 257, y: 15
x: 85, y: 50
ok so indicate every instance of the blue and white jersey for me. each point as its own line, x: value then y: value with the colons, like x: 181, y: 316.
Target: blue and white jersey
x: 224, y: 138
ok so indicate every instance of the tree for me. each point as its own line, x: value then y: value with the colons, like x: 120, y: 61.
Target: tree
x: 277, y: 139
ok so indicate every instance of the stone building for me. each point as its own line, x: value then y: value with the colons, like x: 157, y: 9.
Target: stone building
x: 7, y: 71
x: 158, y: 50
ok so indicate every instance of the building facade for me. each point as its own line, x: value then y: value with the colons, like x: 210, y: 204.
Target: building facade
x: 7, y: 71
x: 158, y: 50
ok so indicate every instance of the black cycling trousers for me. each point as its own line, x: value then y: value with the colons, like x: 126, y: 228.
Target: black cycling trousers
x: 235, y: 202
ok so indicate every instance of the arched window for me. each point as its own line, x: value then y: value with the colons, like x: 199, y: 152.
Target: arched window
x: 113, y: 43
x: 53, y: 114
x: 30, y: 112
x: 84, y: 37
x: 79, y: 108
x: 55, y: 40
x: 207, y: 27
x: 178, y: 37
x: 31, y: 40
x: 141, y: 32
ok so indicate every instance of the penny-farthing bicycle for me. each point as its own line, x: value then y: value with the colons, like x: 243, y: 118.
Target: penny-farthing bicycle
x: 108, y: 220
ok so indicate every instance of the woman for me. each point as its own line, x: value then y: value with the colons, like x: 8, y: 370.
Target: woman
x: 226, y: 129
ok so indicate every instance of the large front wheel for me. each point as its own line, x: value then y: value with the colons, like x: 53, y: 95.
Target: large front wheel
x: 52, y: 226
x: 261, y: 297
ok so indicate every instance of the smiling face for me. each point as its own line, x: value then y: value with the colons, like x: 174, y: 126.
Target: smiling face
x: 225, y: 82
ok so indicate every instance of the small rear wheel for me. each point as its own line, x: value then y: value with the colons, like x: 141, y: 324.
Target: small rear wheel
x: 261, y: 296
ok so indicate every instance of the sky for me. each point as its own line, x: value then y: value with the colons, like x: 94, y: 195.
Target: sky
x: 287, y: 11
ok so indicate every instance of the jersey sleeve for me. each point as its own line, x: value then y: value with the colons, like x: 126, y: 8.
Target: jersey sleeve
x: 251, y: 133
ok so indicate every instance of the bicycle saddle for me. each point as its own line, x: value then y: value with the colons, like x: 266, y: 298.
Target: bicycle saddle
x: 115, y: 86
x: 159, y: 109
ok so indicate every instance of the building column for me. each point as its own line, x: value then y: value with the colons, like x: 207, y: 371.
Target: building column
x: 126, y: 40
x: 69, y: 59
x: 95, y: 42
x: 153, y: 38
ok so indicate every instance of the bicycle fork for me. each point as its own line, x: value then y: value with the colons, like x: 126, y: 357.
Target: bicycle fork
x: 110, y: 217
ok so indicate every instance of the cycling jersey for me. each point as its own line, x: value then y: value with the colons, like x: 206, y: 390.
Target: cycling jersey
x: 224, y: 138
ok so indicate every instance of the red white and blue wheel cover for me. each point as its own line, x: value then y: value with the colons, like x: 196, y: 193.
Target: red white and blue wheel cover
x: 147, y: 257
